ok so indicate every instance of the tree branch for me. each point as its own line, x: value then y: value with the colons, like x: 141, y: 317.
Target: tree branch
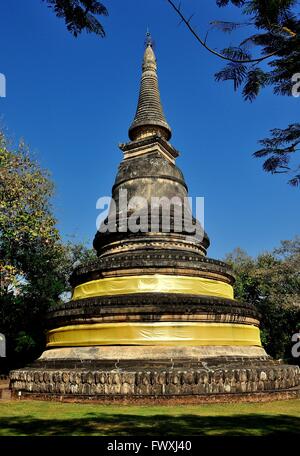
x: 203, y: 43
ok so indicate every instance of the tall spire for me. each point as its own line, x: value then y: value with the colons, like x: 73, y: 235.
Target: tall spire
x: 149, y: 118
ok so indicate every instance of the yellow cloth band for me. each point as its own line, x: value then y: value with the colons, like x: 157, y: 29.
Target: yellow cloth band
x: 153, y: 283
x: 156, y: 333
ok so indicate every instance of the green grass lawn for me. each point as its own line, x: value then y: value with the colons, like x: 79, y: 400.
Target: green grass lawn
x: 52, y: 418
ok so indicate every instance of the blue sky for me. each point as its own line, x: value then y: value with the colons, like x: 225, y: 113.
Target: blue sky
x: 72, y: 100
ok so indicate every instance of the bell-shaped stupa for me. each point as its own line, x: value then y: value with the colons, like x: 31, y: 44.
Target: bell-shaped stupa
x: 153, y: 316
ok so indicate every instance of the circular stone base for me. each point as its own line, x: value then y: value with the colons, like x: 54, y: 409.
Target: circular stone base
x: 132, y: 379
x: 128, y: 352
x: 262, y: 396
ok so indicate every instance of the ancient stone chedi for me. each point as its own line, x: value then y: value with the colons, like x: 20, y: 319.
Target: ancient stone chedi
x: 153, y: 316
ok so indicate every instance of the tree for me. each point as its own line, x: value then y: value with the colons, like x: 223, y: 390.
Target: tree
x: 276, y: 36
x: 74, y: 254
x: 34, y: 263
x: 272, y: 283
x: 30, y: 250
x: 80, y: 15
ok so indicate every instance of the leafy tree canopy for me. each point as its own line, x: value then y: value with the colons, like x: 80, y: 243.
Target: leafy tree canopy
x: 34, y: 264
x: 272, y: 283
x: 80, y: 15
x: 268, y: 56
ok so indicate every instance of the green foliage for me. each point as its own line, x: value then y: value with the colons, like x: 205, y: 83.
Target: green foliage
x: 272, y: 283
x: 277, y: 27
x: 256, y: 79
x: 234, y: 2
x: 279, y: 149
x: 30, y: 250
x: 24, y: 342
x: 75, y: 254
x: 80, y: 15
x: 34, y: 264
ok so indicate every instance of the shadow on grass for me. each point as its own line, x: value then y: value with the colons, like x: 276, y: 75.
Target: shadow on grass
x: 165, y: 425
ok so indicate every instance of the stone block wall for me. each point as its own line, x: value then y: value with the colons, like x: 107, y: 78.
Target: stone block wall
x: 170, y: 382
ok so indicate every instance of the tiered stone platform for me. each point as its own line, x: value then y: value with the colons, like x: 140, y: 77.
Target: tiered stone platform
x: 169, y: 374
x: 153, y: 317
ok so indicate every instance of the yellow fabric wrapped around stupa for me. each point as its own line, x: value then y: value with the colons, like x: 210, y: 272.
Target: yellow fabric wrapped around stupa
x: 155, y: 333
x: 158, y: 283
